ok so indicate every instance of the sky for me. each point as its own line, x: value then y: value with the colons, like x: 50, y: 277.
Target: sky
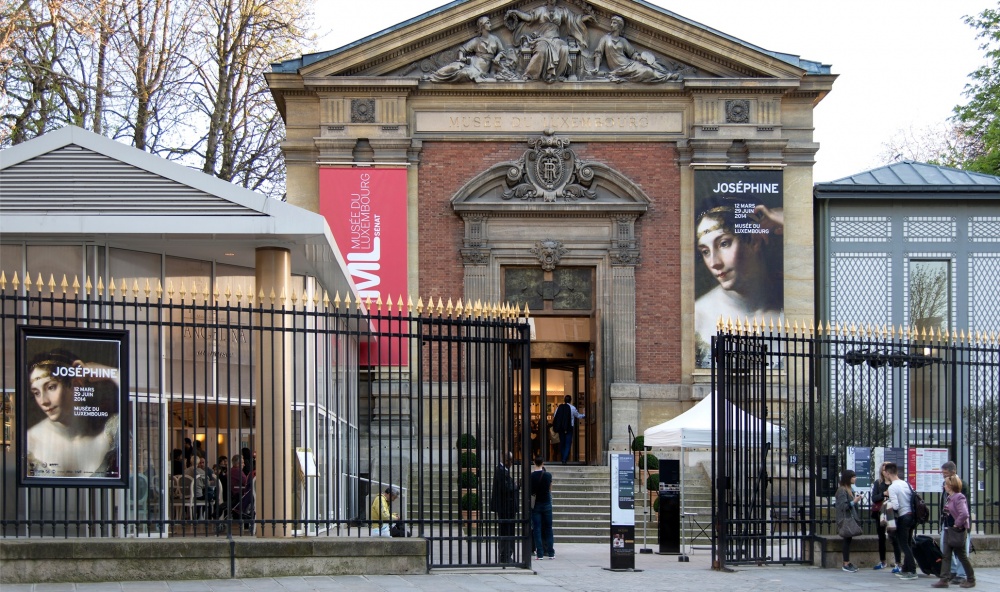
x: 902, y: 64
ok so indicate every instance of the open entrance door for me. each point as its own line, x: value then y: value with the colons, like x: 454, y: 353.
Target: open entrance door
x: 551, y: 382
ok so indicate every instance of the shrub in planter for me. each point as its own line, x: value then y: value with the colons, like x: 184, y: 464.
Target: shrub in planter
x: 468, y: 460
x: 653, y: 483
x: 656, y: 504
x: 638, y: 444
x: 469, y: 502
x: 651, y: 462
x: 467, y: 442
x: 468, y: 480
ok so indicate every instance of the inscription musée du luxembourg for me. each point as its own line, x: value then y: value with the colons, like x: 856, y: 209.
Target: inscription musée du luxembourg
x: 564, y: 122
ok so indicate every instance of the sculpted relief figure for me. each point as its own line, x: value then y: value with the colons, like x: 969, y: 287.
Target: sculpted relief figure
x: 549, y: 43
x: 625, y: 64
x: 538, y: 30
x: 475, y: 58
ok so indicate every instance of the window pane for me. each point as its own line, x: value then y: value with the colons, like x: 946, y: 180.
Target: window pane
x: 930, y: 294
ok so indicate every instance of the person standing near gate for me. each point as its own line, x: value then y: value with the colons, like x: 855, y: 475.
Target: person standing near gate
x: 564, y: 423
x: 956, y: 536
x: 901, y: 501
x: 504, y: 505
x: 950, y: 469
x: 540, y: 481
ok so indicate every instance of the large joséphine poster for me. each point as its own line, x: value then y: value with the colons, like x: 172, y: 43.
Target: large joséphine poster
x: 72, y: 407
x: 366, y: 210
x: 739, y: 272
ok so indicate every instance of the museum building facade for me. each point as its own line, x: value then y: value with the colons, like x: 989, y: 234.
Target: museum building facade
x: 624, y: 172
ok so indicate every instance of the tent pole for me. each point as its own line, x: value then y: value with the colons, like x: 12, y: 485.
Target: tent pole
x: 683, y: 556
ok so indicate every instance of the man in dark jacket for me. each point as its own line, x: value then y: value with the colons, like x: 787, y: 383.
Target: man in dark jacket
x: 504, y: 503
x: 541, y: 512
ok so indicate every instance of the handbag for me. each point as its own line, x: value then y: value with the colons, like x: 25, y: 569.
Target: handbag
x: 848, y: 528
x: 553, y: 436
x: 955, y: 538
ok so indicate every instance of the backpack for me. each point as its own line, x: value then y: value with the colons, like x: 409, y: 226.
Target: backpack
x: 562, y: 423
x: 921, y: 513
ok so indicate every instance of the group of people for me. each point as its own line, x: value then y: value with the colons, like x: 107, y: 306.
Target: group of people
x: 892, y: 509
x: 219, y: 488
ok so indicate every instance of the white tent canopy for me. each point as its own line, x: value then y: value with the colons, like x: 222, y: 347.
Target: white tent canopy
x: 693, y: 428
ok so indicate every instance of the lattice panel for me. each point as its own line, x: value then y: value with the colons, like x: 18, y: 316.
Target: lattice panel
x: 861, y: 288
x: 929, y: 229
x: 984, y: 229
x: 984, y: 291
x: 860, y: 229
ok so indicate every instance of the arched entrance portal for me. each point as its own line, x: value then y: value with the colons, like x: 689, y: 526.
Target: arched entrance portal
x: 566, y: 248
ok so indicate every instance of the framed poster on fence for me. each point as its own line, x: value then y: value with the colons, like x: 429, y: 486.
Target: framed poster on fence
x: 72, y: 407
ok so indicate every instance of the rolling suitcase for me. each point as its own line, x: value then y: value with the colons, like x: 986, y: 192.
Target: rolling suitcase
x: 927, y: 553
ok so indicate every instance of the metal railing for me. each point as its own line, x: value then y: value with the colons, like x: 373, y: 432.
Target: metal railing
x: 325, y: 403
x: 795, y: 407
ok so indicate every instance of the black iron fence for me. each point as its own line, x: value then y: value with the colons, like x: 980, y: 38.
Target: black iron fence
x: 269, y: 416
x: 796, y: 407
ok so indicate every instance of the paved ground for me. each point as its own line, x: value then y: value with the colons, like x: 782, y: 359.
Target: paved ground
x: 576, y: 568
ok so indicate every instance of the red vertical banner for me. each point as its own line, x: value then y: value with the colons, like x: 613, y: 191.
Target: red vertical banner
x: 911, y: 467
x: 366, y: 211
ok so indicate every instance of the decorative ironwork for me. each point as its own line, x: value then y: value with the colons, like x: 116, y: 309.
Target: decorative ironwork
x: 549, y: 252
x: 861, y: 287
x: 738, y: 111
x: 870, y: 229
x: 550, y: 170
x: 362, y: 110
x: 180, y: 337
x: 780, y: 439
x: 984, y: 229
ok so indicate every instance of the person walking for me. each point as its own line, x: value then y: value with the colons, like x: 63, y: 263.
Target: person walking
x: 564, y: 423
x: 956, y: 534
x: 540, y: 481
x: 950, y: 469
x: 848, y: 526
x: 900, y: 501
x: 504, y: 504
x: 878, y: 499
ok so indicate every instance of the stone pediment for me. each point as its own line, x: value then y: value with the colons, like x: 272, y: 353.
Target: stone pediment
x: 603, y: 41
x: 550, y: 177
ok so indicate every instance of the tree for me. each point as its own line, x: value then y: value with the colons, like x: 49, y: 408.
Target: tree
x: 984, y: 428
x: 183, y: 79
x: 981, y: 115
x: 945, y: 144
x: 239, y: 41
x: 849, y: 421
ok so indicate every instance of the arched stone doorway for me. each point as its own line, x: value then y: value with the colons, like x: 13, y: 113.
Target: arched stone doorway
x: 558, y: 234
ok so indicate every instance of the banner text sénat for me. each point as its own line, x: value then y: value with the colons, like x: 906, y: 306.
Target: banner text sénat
x: 366, y: 211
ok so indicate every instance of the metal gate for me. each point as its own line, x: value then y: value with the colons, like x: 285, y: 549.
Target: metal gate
x: 326, y: 404
x: 794, y: 408
x: 472, y: 378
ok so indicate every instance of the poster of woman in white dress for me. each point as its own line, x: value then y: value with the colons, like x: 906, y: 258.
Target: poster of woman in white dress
x: 739, y: 272
x: 71, y: 407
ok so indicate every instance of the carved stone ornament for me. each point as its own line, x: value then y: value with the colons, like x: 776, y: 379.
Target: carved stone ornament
x: 362, y: 110
x: 550, y: 171
x: 557, y: 41
x: 549, y: 252
x: 475, y: 256
x: 624, y: 257
x: 738, y: 111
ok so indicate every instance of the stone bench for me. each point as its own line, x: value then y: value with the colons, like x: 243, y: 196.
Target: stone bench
x: 864, y: 550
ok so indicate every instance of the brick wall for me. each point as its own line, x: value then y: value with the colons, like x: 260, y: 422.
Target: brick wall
x: 446, y: 166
